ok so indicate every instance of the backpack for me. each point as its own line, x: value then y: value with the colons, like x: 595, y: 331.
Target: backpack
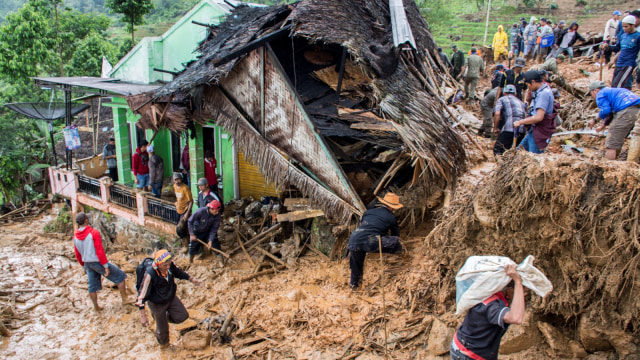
x: 141, y: 269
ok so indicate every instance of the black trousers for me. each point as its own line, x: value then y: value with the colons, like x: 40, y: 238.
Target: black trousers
x: 390, y: 245
x: 194, y: 246
x: 505, y: 142
x: 113, y: 174
x: 171, y: 312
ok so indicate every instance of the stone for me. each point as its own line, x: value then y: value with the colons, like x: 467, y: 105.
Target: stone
x: 196, y: 340
x: 561, y: 346
x: 521, y: 337
x: 370, y: 357
x: 592, y: 339
x: 439, y: 338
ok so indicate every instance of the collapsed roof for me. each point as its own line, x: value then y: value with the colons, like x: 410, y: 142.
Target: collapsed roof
x: 301, y: 87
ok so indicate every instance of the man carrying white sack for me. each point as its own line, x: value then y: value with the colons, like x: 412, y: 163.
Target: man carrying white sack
x: 487, y: 320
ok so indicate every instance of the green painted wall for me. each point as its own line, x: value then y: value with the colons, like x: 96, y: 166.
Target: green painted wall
x: 121, y: 134
x: 169, y: 51
x: 224, y: 155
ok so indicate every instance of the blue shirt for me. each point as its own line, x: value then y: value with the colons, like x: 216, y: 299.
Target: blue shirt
x: 543, y: 100
x: 628, y: 45
x: 613, y: 100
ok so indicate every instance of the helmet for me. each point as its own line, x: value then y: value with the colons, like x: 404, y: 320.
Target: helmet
x: 520, y: 62
x: 510, y: 89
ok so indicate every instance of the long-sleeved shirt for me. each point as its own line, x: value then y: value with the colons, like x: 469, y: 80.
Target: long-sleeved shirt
x: 210, y: 171
x: 156, y: 169
x: 140, y: 165
x: 511, y: 109
x: 110, y: 150
x: 202, y: 221
x: 457, y: 59
x: 184, y: 159
x: 445, y: 59
x: 158, y: 289
x: 613, y: 100
x: 629, y: 46
x: 375, y: 222
x: 87, y: 244
x: 530, y: 34
x: 610, y: 29
x: 474, y: 65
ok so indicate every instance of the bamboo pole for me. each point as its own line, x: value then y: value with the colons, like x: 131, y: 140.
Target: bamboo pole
x: 212, y: 248
x: 227, y: 321
x: 486, y: 25
x: 384, y: 306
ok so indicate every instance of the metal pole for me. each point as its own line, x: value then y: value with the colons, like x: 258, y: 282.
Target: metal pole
x: 53, y: 144
x: 486, y: 25
x: 67, y: 118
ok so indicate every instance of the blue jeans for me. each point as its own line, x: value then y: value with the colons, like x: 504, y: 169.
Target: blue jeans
x: 143, y: 181
x: 569, y: 51
x: 529, y: 144
x: 95, y: 271
x: 156, y: 189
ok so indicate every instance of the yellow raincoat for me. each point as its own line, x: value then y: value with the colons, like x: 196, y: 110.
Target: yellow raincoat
x: 500, y: 44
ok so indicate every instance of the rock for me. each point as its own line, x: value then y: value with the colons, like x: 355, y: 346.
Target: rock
x: 370, y: 357
x: 422, y: 354
x: 601, y: 355
x: 439, y: 338
x: 196, y: 340
x: 592, y: 339
x: 521, y: 337
x: 561, y: 346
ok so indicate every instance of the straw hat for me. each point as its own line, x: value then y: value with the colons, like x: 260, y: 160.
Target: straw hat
x: 391, y: 200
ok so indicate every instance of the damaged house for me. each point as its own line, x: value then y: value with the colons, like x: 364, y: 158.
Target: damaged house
x: 337, y: 100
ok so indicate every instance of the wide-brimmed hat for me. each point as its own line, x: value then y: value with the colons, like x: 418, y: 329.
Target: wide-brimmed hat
x: 391, y: 200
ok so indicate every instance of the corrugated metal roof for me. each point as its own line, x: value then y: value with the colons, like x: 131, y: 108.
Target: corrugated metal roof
x: 95, y: 85
x: 400, y: 25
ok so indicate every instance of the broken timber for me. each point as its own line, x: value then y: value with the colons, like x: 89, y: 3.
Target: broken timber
x: 299, y: 215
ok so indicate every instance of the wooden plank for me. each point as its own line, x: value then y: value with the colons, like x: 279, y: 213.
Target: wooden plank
x: 293, y: 202
x: 273, y: 257
x: 380, y: 126
x: 85, y: 128
x: 299, y: 215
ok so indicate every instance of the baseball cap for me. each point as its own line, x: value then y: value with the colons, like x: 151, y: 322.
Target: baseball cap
x: 112, y: 139
x: 499, y: 67
x: 454, y: 46
x: 510, y: 89
x: 177, y: 176
x: 562, y: 22
x: 596, y: 85
x: 214, y: 204
x: 474, y: 49
x: 520, y: 62
x: 532, y: 75
x: 202, y: 182
x: 617, y: 12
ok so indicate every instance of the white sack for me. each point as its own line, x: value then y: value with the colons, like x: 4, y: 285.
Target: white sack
x: 482, y: 276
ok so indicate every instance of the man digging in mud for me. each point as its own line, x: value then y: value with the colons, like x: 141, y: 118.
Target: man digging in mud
x: 373, y: 229
x: 620, y: 108
x: 203, y: 226
x: 90, y: 254
x: 158, y: 288
x: 484, y: 325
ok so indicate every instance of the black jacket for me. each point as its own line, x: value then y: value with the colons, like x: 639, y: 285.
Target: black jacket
x: 157, y: 289
x: 564, y: 32
x: 203, y: 222
x: 375, y: 222
x: 204, y: 200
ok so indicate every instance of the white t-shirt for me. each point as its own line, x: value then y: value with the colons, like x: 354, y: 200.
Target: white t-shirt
x: 610, y: 29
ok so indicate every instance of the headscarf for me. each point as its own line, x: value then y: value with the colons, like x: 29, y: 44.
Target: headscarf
x: 160, y: 257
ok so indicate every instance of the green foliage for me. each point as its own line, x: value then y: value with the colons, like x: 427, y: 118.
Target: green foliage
x: 87, y: 58
x: 62, y: 224
x: 133, y: 12
x: 437, y: 13
x: 530, y: 4
x: 25, y: 43
x: 581, y: 3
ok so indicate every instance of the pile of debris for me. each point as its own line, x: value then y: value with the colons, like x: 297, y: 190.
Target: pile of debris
x: 29, y: 211
x: 579, y: 218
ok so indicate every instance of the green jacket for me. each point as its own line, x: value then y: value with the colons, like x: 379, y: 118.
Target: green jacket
x: 474, y: 65
x: 457, y: 59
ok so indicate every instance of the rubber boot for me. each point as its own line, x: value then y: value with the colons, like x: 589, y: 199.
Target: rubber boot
x: 190, y: 259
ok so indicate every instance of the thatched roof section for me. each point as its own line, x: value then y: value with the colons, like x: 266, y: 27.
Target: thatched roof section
x: 403, y: 86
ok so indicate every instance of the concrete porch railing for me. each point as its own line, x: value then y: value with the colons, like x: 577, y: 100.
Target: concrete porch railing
x: 128, y: 203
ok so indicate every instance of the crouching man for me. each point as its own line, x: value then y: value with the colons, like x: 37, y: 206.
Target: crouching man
x: 619, y: 108
x: 484, y: 325
x: 376, y: 223
x: 158, y: 289
x: 90, y: 254
x: 203, y: 226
